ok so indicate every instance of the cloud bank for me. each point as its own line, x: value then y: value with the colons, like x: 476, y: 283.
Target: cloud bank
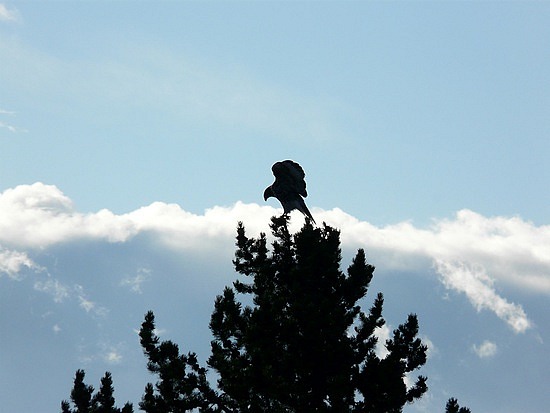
x: 469, y: 253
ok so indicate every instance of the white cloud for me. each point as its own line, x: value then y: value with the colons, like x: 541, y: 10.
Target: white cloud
x: 39, y: 215
x: 382, y: 334
x: 478, y: 287
x: 110, y: 353
x: 470, y: 253
x: 86, y: 304
x: 112, y: 356
x: 100, y: 351
x: 432, y: 349
x: 510, y: 249
x: 485, y: 349
x: 8, y: 14
x: 61, y: 292
x: 12, y: 262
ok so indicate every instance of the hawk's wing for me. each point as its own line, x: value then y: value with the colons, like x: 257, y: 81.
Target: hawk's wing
x: 290, y: 175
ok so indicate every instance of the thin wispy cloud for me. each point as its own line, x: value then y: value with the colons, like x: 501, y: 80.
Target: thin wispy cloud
x: 227, y: 95
x: 111, y: 354
x: 469, y: 254
x: 14, y: 263
x: 101, y: 350
x: 56, y: 289
x: 87, y: 304
x: 478, y: 287
x: 134, y: 283
x: 61, y: 292
x: 9, y: 126
x: 182, y: 87
x: 8, y: 14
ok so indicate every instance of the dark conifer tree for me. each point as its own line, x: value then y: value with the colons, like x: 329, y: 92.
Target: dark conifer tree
x: 84, y: 401
x: 182, y: 384
x: 302, y: 345
x: 305, y: 344
x: 81, y: 395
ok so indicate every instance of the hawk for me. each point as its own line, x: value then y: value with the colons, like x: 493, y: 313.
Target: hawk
x: 289, y: 187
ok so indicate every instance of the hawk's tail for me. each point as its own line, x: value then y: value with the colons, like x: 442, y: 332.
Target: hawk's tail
x: 304, y: 210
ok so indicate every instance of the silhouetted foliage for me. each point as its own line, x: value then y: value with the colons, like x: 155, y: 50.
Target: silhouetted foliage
x: 84, y: 401
x: 302, y: 343
x: 453, y: 407
x: 182, y: 385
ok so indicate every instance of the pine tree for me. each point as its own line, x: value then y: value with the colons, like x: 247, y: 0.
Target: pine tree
x: 84, y: 401
x: 104, y: 402
x: 302, y: 344
x: 81, y: 395
x: 182, y: 385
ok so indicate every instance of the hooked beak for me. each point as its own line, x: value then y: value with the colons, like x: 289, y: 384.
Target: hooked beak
x: 268, y: 193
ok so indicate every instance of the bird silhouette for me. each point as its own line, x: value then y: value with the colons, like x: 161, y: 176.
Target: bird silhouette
x: 289, y: 187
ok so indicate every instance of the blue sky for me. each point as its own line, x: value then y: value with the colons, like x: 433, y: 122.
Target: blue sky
x: 134, y: 136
